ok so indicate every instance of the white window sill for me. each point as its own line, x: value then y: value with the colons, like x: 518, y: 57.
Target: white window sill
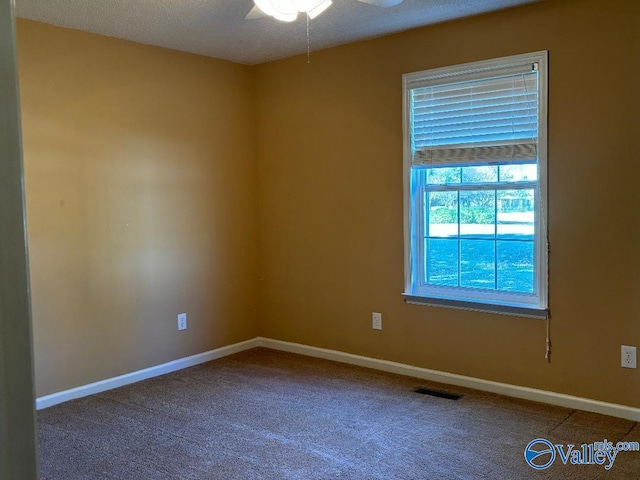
x: 511, y: 310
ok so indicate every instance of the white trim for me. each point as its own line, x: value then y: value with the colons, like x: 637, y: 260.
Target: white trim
x: 533, y: 394
x: 484, y: 307
x: 516, y: 391
x: 406, y: 187
x: 133, y: 377
x: 472, y: 70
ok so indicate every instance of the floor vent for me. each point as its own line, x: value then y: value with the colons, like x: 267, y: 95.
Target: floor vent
x: 437, y: 393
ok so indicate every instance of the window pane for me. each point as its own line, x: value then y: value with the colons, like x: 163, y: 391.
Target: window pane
x: 477, y: 263
x: 516, y: 218
x: 515, y: 266
x: 486, y: 174
x: 443, y: 214
x: 442, y: 261
x: 443, y: 176
x: 519, y: 173
x: 478, y: 214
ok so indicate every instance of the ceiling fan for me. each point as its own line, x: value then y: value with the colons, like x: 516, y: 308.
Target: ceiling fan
x: 287, y: 10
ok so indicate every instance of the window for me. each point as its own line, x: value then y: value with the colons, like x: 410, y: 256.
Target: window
x: 475, y: 186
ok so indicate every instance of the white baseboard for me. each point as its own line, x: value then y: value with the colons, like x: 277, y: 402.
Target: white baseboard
x: 543, y: 396
x: 133, y: 377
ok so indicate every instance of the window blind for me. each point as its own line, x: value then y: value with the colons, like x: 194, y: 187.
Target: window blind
x: 467, y: 120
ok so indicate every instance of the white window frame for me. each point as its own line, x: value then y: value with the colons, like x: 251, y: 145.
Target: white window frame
x: 500, y: 302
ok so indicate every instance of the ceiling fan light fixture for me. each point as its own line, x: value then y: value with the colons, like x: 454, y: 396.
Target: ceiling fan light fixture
x: 283, y: 10
x: 287, y: 10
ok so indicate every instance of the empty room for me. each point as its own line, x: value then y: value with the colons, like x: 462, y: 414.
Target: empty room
x: 315, y: 239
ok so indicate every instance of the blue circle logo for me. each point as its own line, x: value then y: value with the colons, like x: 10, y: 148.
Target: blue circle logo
x: 540, y: 453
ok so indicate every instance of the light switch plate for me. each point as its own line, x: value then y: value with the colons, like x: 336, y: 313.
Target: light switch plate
x: 376, y: 321
x: 182, y: 321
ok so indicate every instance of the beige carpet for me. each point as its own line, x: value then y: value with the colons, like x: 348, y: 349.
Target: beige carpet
x: 263, y: 414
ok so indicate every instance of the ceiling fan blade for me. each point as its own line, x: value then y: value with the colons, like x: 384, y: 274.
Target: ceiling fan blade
x: 255, y: 13
x: 382, y: 3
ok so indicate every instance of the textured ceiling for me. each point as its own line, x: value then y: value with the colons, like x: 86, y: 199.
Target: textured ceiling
x: 217, y: 28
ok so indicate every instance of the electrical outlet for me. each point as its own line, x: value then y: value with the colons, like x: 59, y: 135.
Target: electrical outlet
x: 628, y: 356
x: 376, y: 321
x: 182, y: 321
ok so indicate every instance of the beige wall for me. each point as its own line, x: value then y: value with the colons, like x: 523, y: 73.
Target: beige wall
x: 329, y: 139
x: 141, y: 203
